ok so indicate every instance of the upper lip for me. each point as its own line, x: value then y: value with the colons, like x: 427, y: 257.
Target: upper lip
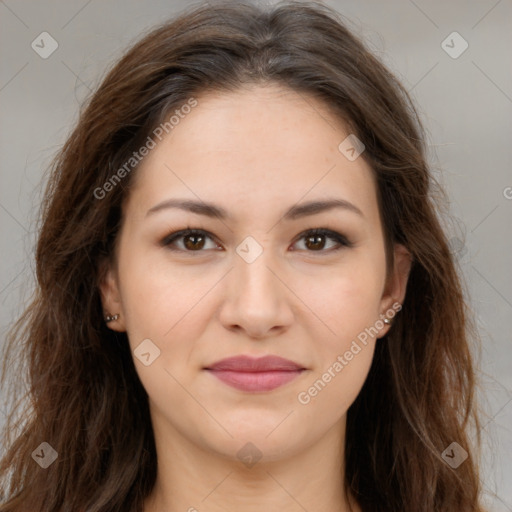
x: 251, y: 364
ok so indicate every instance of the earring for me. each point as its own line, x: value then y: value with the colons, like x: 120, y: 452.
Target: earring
x: 387, y: 321
x: 110, y: 318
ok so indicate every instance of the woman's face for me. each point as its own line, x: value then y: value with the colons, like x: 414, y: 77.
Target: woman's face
x: 253, y: 282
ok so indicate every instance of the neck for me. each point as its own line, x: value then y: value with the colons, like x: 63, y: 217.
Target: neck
x: 194, y: 479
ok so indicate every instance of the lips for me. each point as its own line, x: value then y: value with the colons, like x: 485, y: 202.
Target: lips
x: 255, y: 374
x: 250, y: 364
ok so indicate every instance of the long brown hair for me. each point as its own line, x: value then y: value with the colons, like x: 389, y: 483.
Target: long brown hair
x: 84, y: 397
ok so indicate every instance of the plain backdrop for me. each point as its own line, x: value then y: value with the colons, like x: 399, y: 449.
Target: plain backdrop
x: 464, y: 97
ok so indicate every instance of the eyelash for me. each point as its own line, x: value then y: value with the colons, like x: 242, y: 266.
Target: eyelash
x: 337, y: 237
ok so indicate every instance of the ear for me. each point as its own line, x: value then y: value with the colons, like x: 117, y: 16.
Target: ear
x: 396, y: 284
x: 110, y: 296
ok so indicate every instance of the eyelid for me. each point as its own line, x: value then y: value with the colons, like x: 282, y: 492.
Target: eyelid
x: 340, y: 239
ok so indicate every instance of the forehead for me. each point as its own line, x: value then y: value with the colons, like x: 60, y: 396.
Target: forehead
x: 258, y: 148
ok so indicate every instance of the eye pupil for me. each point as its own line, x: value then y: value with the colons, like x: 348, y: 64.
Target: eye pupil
x: 193, y: 245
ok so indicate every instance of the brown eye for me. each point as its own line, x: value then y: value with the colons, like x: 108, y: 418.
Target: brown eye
x: 196, y: 240
x: 192, y: 240
x: 315, y: 240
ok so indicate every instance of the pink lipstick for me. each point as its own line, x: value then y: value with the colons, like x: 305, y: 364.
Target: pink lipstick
x: 250, y: 374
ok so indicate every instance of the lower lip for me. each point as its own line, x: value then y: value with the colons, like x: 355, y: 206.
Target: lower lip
x: 255, y: 381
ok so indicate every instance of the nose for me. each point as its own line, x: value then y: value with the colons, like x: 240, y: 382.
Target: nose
x: 257, y: 300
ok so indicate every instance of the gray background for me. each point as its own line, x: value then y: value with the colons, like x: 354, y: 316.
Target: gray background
x: 465, y: 103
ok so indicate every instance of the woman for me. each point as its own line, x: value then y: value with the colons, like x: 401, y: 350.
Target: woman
x: 245, y: 299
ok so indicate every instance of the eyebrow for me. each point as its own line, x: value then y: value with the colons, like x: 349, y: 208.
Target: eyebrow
x: 215, y: 211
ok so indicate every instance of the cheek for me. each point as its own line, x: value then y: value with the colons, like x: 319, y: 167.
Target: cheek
x: 159, y: 300
x: 348, y: 302
x: 348, y: 305
x: 344, y: 302
x: 164, y: 306
x: 331, y: 392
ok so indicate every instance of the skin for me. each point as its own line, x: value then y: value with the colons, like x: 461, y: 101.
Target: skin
x: 255, y: 152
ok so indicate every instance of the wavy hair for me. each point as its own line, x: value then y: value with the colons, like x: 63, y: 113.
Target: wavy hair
x: 83, y: 395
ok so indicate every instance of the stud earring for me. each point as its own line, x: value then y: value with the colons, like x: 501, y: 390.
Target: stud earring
x: 387, y: 321
x: 110, y: 318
